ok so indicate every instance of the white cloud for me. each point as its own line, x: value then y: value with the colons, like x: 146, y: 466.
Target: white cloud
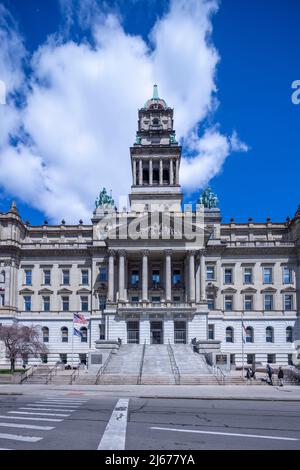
x: 81, y: 111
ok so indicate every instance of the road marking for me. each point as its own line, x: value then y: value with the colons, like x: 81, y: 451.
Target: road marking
x: 32, y: 413
x: 15, y: 437
x: 215, y: 433
x: 32, y: 419
x: 26, y: 426
x: 67, y: 400
x: 44, y: 409
x: 114, y: 435
x: 2, y: 448
x: 64, y: 405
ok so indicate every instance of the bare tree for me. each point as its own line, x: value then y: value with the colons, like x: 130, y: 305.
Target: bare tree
x: 21, y: 342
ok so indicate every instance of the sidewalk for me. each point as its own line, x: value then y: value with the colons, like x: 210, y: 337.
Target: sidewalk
x: 204, y: 392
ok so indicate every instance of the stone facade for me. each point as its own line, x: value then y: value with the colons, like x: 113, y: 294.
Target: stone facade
x: 232, y: 281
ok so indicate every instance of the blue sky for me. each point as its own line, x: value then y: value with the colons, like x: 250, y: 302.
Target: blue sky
x: 257, y: 44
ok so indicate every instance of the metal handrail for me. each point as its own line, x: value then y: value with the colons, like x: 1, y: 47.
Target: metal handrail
x: 219, y: 374
x: 139, y: 380
x: 52, y: 372
x: 174, y: 366
x: 73, y: 375
x: 102, y: 369
x: 26, y: 374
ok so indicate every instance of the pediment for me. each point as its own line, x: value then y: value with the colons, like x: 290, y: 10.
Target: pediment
x: 288, y: 289
x: 64, y: 291
x: 249, y: 290
x: 83, y: 290
x: 271, y: 290
x: 26, y: 291
x: 45, y: 291
x: 229, y: 290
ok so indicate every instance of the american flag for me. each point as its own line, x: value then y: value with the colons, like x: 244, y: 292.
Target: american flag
x: 78, y: 318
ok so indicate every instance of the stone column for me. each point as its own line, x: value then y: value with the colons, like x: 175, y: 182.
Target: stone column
x: 177, y: 171
x: 168, y: 280
x: 111, y: 275
x: 197, y: 281
x: 160, y: 172
x: 134, y: 171
x: 171, y: 172
x: 122, y: 255
x: 202, y: 276
x: 145, y: 254
x: 150, y: 172
x: 140, y: 172
x: 192, y: 276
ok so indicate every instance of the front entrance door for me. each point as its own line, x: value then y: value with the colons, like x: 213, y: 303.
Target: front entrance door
x: 133, y: 332
x: 179, y: 332
x: 156, y: 332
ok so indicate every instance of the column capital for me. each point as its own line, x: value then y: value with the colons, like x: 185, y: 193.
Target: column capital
x: 145, y: 252
x: 111, y: 252
x: 122, y: 253
x: 191, y: 253
x: 202, y: 252
x: 168, y: 252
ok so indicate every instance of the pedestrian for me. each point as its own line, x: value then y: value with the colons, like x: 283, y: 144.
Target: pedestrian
x: 270, y: 374
x: 280, y: 376
x: 253, y: 374
x: 248, y: 375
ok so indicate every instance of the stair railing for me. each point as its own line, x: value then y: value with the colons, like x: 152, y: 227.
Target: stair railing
x: 174, y: 366
x: 219, y: 375
x: 52, y: 372
x: 139, y: 380
x: 102, y: 369
x: 74, y: 375
x: 26, y: 374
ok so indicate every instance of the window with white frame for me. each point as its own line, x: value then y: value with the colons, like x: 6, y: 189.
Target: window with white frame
x: 65, y: 303
x: 211, y: 331
x: 210, y: 273
x: 288, y: 301
x: 229, y: 335
x: 45, y: 333
x: 248, y: 302
x: 289, y: 334
x: 271, y: 358
x: 211, y: 301
x: 85, y: 277
x: 83, y: 333
x: 228, y: 276
x: 268, y: 301
x: 64, y: 335
x: 102, y: 302
x: 46, y: 303
x: 267, y: 275
x: 228, y: 303
x: 269, y: 335
x: 176, y: 277
x: 248, y: 275
x: 2, y: 300
x: 249, y: 334
x: 102, y: 330
x: 66, y: 276
x: 84, y: 300
x: 47, y: 277
x: 27, y: 303
x: 287, y: 275
x: 28, y: 277
x: 135, y: 277
x: 103, y: 274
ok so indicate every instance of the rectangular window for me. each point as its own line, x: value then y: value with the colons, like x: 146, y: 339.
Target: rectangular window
x: 232, y: 359
x: 155, y: 298
x: 65, y: 303
x: 176, y: 299
x: 103, y: 274
x: 287, y: 275
x: 102, y: 330
x: 247, y: 275
x: 27, y: 303
x: 135, y: 277
x: 271, y: 358
x: 176, y: 277
x: 248, y: 302
x: 28, y: 277
x: 267, y: 275
x: 102, y: 302
x: 135, y: 298
x: 63, y: 358
x: 268, y: 301
x: 228, y: 303
x: 211, y: 301
x: 66, y: 276
x: 210, y: 273
x: 84, y: 277
x: 211, y: 331
x: 290, y: 360
x: 250, y: 358
x: 288, y: 301
x: 46, y: 303
x: 228, y: 276
x: 47, y: 277
x: 84, y: 303
x: 2, y: 300
x: 44, y: 358
x: 155, y: 277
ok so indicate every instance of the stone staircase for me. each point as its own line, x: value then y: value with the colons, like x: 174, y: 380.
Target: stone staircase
x: 39, y: 375
x: 124, y: 366
x: 192, y: 366
x: 157, y: 367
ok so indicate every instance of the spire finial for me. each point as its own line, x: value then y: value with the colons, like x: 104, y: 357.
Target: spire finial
x: 155, y: 92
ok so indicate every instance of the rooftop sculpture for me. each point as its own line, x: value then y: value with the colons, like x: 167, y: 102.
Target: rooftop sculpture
x: 104, y: 200
x: 208, y: 199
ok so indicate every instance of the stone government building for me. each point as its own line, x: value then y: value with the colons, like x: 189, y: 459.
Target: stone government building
x: 160, y: 289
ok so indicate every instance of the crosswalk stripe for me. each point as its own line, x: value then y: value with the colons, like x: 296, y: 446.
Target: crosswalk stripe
x: 15, y: 437
x: 2, y: 448
x: 26, y: 426
x: 32, y: 413
x: 43, y: 409
x: 39, y: 403
x: 66, y: 400
x: 55, y: 420
x: 114, y: 435
x: 59, y: 403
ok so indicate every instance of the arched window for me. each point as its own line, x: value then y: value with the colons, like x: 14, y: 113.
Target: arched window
x: 2, y: 276
x: 249, y: 334
x: 229, y: 335
x: 64, y: 334
x: 83, y: 332
x: 269, y: 335
x: 289, y: 334
x: 45, y: 332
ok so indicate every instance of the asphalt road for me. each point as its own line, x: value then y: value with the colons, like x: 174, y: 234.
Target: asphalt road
x: 89, y: 421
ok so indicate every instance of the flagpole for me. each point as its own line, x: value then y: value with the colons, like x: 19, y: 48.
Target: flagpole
x: 72, y: 339
x: 242, y: 316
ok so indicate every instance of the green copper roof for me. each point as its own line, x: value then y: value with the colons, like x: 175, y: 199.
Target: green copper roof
x: 155, y: 93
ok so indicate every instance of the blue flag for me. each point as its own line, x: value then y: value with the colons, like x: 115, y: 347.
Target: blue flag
x: 76, y: 332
